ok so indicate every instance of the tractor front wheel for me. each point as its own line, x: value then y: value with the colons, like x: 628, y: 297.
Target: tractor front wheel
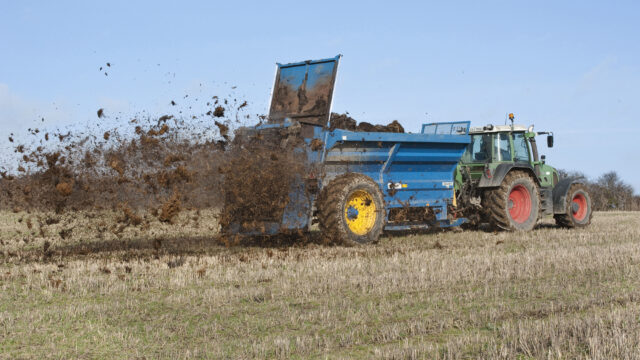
x: 513, y: 206
x: 351, y: 210
x: 578, y: 210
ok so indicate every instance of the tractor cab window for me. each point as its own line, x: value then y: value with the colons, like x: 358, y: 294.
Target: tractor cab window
x: 479, y: 150
x: 520, y: 150
x: 501, y: 147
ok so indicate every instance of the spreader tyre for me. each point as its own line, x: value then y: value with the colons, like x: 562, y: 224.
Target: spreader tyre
x: 578, y: 208
x: 513, y: 206
x: 351, y: 210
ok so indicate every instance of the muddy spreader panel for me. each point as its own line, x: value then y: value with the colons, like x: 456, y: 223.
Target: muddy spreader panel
x: 303, y: 91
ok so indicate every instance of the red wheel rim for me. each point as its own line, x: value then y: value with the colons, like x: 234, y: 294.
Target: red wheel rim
x: 519, y: 204
x: 580, y: 200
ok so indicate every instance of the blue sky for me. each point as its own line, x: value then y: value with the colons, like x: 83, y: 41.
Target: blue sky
x: 572, y: 67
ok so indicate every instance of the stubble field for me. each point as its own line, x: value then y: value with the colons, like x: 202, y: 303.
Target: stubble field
x: 177, y: 293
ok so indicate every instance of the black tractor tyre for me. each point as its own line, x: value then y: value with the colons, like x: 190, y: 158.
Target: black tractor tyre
x: 514, y: 205
x: 332, y: 208
x: 578, y: 208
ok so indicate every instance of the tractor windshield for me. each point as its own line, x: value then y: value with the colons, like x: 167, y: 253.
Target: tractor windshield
x: 501, y: 147
x: 487, y: 148
x: 479, y: 150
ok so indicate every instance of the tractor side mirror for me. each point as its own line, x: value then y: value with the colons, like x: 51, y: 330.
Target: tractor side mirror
x: 550, y: 140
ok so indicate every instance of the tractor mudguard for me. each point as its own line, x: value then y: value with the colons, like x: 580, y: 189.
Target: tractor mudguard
x: 560, y: 193
x: 501, y: 171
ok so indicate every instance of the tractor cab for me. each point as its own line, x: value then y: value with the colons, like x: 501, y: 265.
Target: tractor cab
x: 497, y: 144
x: 506, y: 145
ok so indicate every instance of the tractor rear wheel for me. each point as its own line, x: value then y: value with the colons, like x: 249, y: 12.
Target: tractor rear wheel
x: 578, y: 208
x: 351, y: 210
x: 513, y: 206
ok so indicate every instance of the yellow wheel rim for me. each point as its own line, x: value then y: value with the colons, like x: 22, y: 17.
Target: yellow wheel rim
x: 360, y: 212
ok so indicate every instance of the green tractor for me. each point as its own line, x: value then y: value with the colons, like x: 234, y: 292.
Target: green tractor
x: 501, y: 180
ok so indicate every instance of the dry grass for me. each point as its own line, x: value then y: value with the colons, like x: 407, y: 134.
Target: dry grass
x: 551, y: 293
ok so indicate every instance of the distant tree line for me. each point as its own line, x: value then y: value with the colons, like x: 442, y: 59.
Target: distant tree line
x: 608, y: 192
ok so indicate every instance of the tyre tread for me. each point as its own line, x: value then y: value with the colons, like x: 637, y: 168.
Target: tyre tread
x: 566, y: 219
x: 330, y: 211
x: 495, y: 200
